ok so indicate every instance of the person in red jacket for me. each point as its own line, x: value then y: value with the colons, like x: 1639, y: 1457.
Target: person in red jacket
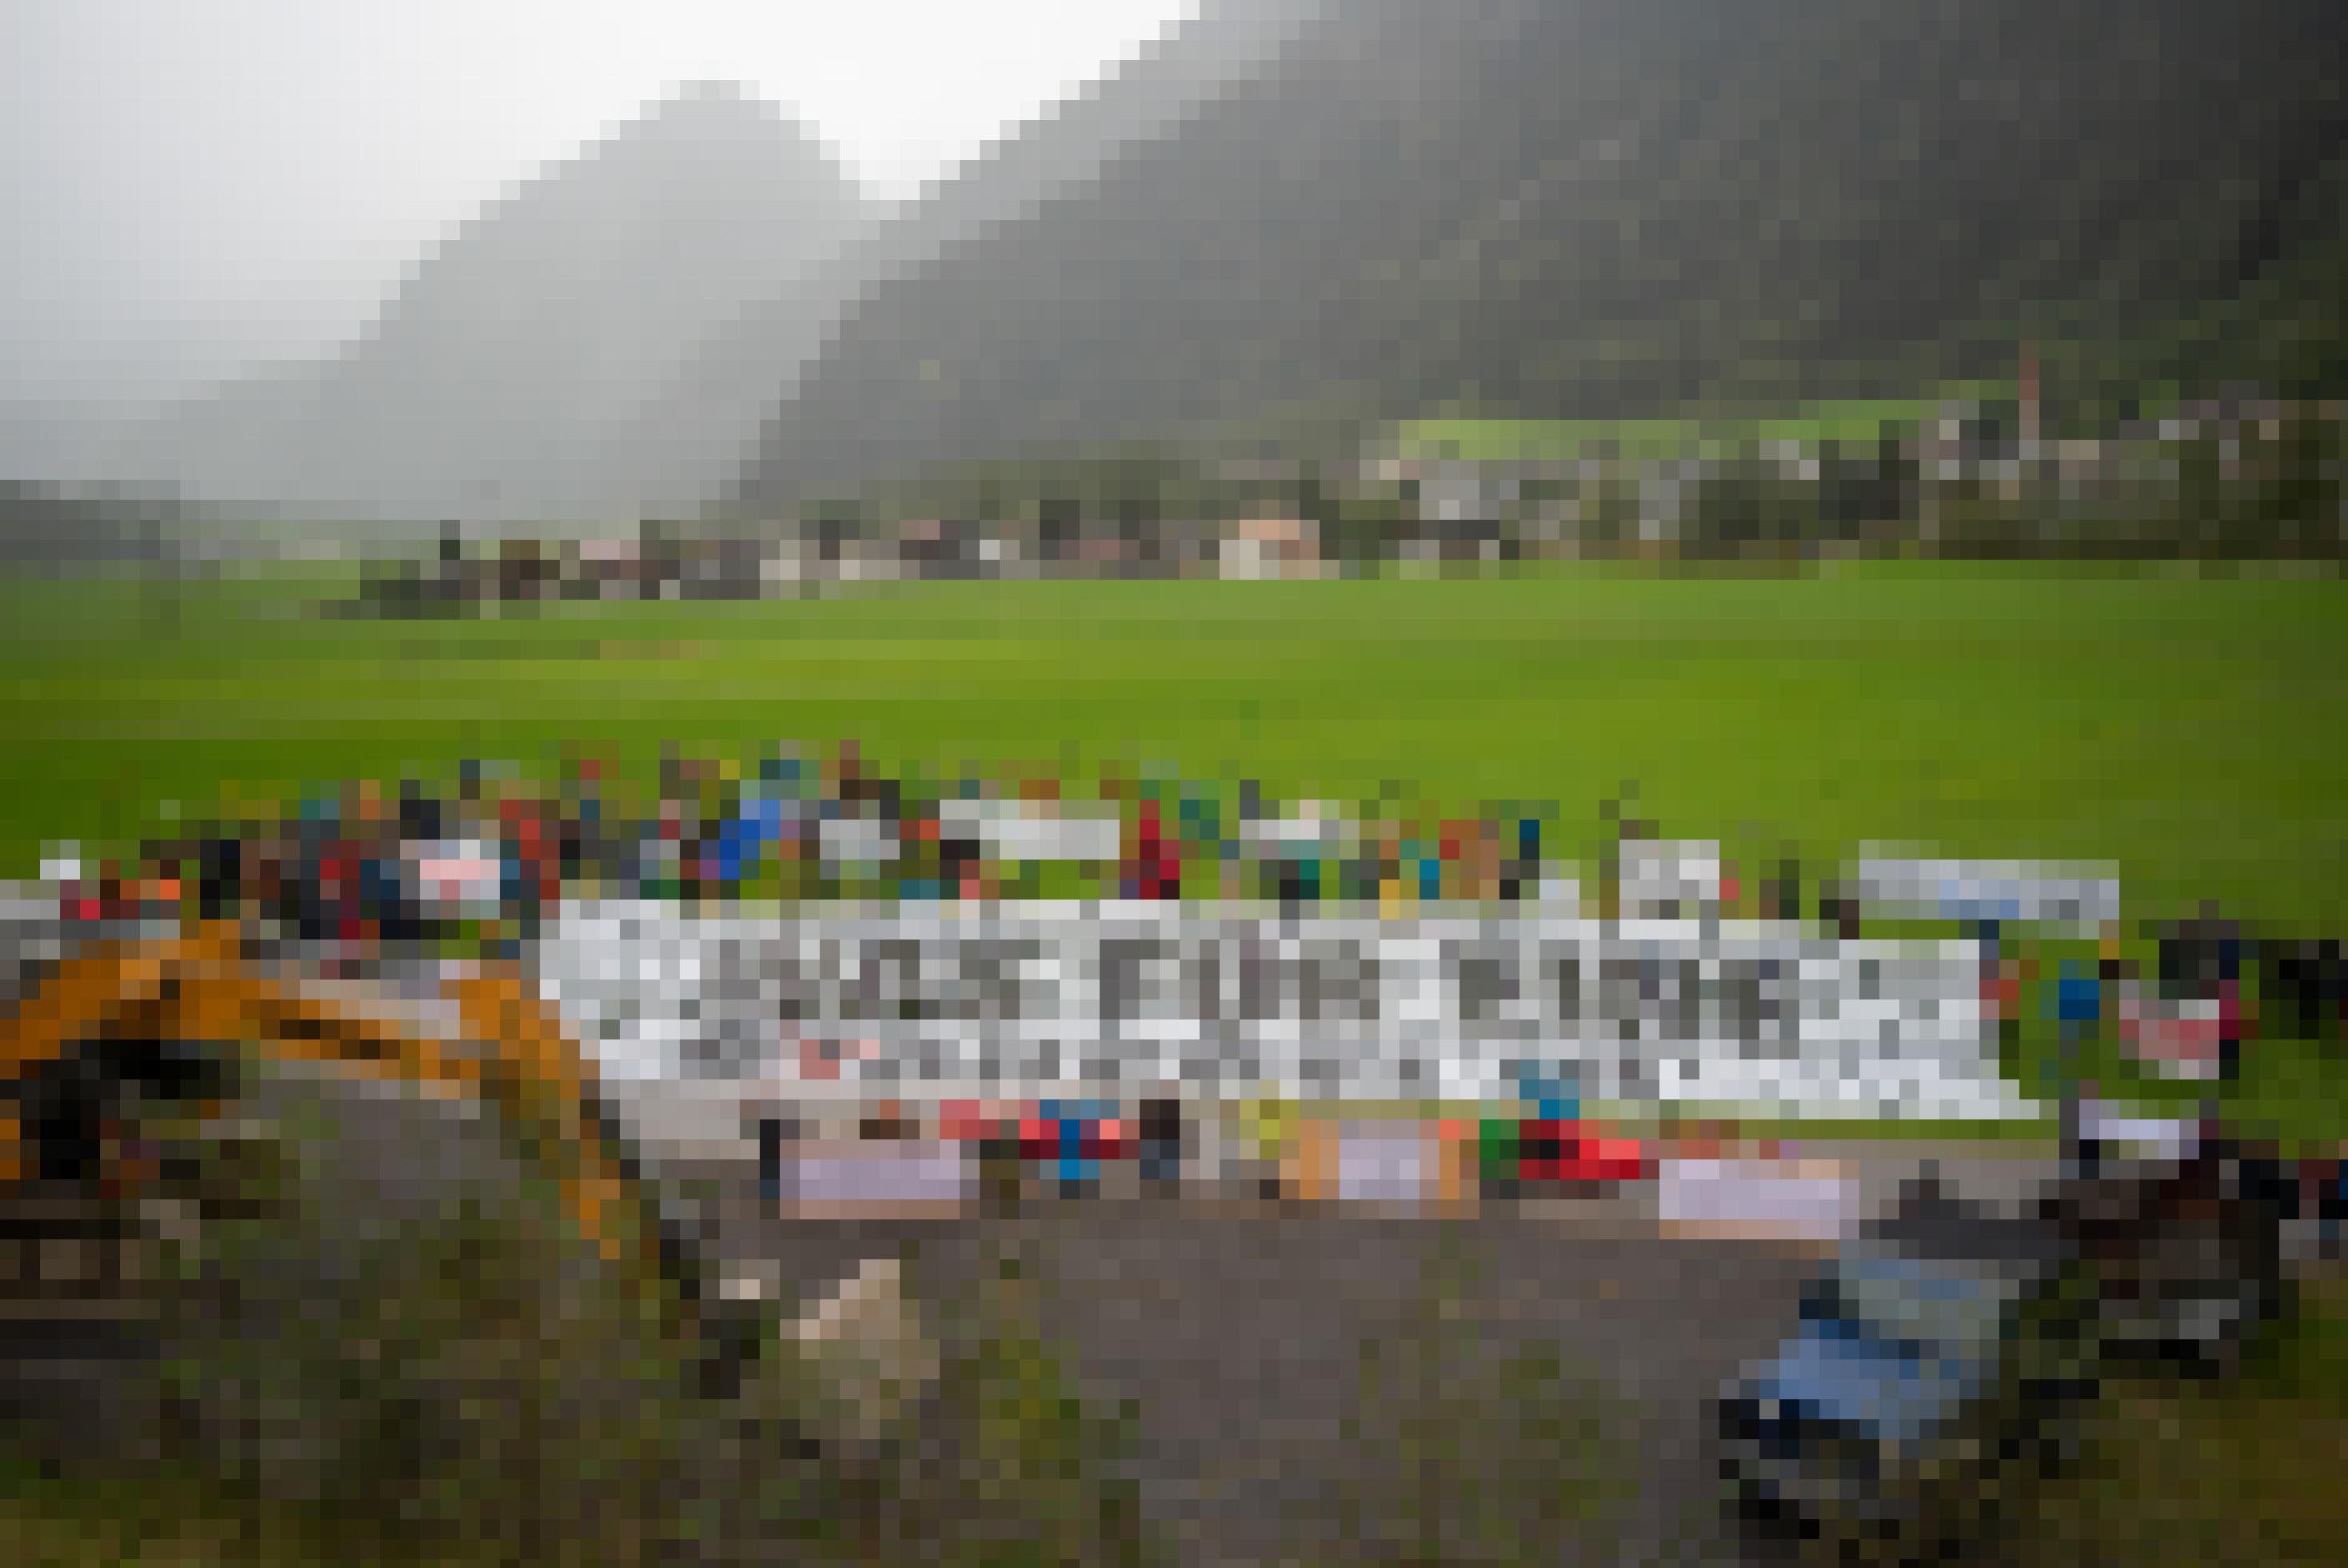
x: 1153, y: 867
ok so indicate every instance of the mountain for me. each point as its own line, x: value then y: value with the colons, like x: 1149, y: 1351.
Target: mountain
x: 1597, y: 207
x: 492, y: 383
x: 46, y: 529
x: 55, y: 441
x: 691, y: 437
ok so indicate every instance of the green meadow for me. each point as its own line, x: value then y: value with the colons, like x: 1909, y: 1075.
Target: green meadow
x: 2187, y: 728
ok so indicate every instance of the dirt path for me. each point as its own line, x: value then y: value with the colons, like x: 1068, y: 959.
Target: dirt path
x: 1306, y: 1385
x: 1276, y: 1360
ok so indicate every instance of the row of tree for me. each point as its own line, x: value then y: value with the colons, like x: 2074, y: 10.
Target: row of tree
x: 2248, y: 479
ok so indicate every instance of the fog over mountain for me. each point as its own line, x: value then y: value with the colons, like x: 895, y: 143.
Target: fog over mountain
x: 1551, y: 208
x: 696, y: 431
x: 504, y: 361
x: 1299, y: 220
x: 83, y: 382
x: 606, y: 342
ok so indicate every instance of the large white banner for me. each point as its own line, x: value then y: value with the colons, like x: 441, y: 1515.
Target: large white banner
x: 1069, y: 998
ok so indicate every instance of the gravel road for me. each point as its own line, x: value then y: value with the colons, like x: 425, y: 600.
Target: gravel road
x: 1240, y: 1336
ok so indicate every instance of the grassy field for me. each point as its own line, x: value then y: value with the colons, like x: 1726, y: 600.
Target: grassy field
x: 2236, y: 1472
x: 2189, y: 730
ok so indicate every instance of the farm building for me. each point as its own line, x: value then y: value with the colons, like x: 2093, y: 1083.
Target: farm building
x: 1261, y: 548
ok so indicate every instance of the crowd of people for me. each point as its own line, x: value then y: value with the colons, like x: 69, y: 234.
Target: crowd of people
x: 476, y: 865
x: 485, y: 859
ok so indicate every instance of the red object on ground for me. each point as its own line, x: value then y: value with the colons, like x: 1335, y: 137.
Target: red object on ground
x: 963, y: 1121
x: 1572, y: 1152
x: 1106, y: 1141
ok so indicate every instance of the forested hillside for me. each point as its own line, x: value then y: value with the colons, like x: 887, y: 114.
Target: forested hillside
x: 1597, y: 207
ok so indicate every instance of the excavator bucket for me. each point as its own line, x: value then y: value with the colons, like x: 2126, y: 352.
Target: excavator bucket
x: 126, y: 1003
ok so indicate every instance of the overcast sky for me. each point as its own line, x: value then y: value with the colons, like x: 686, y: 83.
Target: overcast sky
x: 191, y: 177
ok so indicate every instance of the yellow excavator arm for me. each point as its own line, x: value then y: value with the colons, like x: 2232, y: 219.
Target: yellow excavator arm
x: 510, y: 1052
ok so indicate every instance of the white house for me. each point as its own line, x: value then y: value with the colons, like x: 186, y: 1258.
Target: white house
x: 1260, y: 548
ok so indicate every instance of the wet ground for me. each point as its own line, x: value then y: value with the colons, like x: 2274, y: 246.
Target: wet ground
x: 1327, y: 1384
x: 1332, y: 1384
